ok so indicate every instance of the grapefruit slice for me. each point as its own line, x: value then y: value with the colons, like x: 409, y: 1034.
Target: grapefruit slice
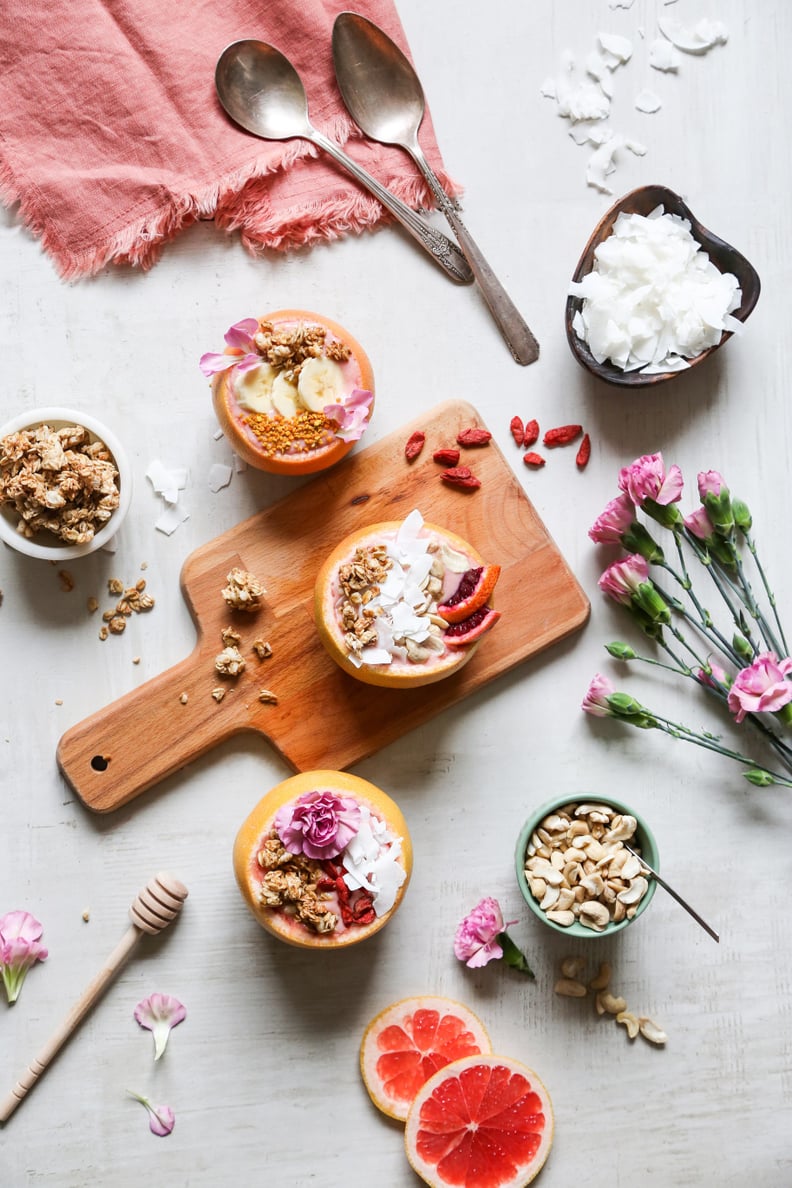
x: 472, y: 593
x: 480, y: 1122
x: 409, y: 1041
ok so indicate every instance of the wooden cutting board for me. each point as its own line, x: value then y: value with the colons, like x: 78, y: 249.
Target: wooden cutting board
x: 323, y: 717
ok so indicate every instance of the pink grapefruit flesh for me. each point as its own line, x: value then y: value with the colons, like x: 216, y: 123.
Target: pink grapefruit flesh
x: 481, y: 1122
x: 409, y: 1041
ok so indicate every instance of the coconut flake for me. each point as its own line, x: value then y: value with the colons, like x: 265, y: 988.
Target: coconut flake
x: 648, y: 102
x: 664, y: 56
x: 170, y: 519
x: 371, y: 862
x: 616, y: 49
x: 654, y: 299
x: 219, y: 476
x: 693, y: 39
x: 601, y: 164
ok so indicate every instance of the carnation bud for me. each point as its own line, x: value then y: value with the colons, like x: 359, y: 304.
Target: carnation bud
x: 637, y: 540
x: 625, y: 706
x: 742, y: 515
x: 620, y: 651
x: 742, y: 647
x: 651, y: 603
x: 758, y: 777
x: 719, y: 509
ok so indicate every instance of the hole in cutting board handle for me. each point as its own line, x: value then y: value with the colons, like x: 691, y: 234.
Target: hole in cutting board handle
x: 100, y: 763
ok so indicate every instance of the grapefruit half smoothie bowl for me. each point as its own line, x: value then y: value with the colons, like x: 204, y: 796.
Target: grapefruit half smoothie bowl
x: 324, y: 859
x: 404, y: 603
x: 293, y: 391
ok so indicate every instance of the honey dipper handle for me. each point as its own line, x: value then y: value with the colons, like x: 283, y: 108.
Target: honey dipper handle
x: 92, y: 993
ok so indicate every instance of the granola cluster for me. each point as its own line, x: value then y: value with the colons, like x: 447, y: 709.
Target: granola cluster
x: 290, y: 881
x: 287, y: 348
x: 58, y: 481
x: 133, y: 601
x: 244, y: 591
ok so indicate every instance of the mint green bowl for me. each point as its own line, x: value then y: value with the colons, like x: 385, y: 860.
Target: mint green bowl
x: 643, y: 836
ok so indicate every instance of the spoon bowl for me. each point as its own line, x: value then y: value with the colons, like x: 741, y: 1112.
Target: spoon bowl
x: 262, y: 92
x: 725, y: 258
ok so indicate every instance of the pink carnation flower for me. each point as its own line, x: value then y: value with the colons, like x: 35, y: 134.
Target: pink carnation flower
x: 621, y: 580
x: 710, y: 482
x: 763, y: 685
x: 613, y: 522
x: 646, y: 478
x: 20, y: 934
x: 476, y: 939
x: 318, y: 824
x: 699, y: 524
x: 716, y: 678
x: 596, y: 700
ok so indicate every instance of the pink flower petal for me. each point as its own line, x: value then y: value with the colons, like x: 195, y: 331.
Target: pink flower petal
x: 20, y: 924
x: 211, y: 363
x: 241, y: 333
x: 158, y: 1014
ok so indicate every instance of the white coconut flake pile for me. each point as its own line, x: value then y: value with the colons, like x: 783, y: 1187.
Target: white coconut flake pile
x: 168, y: 483
x: 654, y: 299
x: 583, y: 93
x: 371, y: 862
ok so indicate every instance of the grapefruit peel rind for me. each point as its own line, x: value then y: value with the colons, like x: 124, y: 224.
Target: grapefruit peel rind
x: 409, y: 1041
x: 481, y: 1122
x: 473, y: 592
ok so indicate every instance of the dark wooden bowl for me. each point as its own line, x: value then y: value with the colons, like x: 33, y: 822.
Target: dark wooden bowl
x: 725, y: 258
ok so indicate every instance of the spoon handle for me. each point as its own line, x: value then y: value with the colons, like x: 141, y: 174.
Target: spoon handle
x: 510, y: 322
x: 444, y: 250
x: 674, y: 894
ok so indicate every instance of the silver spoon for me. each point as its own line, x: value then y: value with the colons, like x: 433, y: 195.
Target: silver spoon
x: 263, y: 93
x: 384, y: 96
x: 674, y: 894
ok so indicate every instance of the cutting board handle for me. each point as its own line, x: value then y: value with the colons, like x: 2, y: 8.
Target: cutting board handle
x: 125, y: 748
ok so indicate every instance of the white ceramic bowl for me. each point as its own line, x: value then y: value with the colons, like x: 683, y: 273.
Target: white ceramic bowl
x: 48, y: 548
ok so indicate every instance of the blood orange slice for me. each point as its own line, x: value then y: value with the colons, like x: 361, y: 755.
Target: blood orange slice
x: 409, y: 1041
x: 459, y: 635
x: 481, y: 1122
x: 473, y: 592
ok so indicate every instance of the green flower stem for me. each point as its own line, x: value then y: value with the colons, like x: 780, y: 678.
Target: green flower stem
x: 723, y: 584
x: 755, y: 612
x: 706, y: 625
x: 676, y: 730
x: 770, y: 595
x: 710, y: 633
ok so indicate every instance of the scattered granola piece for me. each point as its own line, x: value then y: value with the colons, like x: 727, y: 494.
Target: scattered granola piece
x: 86, y: 915
x: 230, y: 637
x: 66, y: 580
x: 103, y: 632
x: 230, y: 662
x: 117, y: 625
x: 218, y: 693
x: 184, y: 698
x: 262, y: 648
x: 244, y: 591
x: 267, y: 697
x: 115, y: 586
x: 59, y: 701
x: 144, y: 565
x: 136, y: 659
x: 93, y: 605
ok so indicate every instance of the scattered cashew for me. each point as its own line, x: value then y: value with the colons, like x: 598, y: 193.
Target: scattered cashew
x: 610, y: 1003
x: 629, y: 1021
x: 602, y: 980
x: 572, y: 967
x: 605, y: 1003
x: 570, y: 988
x: 651, y: 1031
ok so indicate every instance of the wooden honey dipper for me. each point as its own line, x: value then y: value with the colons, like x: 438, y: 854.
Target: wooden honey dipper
x: 155, y: 907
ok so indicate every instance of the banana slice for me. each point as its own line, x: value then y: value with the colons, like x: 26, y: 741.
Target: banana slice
x: 321, y: 382
x: 254, y: 388
x: 284, y: 397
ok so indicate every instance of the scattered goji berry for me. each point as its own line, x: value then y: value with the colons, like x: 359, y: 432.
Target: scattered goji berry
x: 562, y: 435
x: 325, y: 884
x: 517, y: 430
x: 533, y: 460
x: 415, y: 443
x: 531, y: 433
x: 584, y: 453
x: 474, y: 437
x: 446, y: 457
x: 461, y: 476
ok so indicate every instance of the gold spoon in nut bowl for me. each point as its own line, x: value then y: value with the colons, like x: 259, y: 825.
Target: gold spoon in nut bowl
x: 674, y: 894
x: 383, y: 94
x: 262, y: 92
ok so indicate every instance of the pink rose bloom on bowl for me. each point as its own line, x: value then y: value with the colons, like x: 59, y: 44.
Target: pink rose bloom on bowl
x: 318, y: 824
x: 763, y: 685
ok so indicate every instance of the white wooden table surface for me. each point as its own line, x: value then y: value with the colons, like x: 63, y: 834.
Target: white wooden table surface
x: 263, y: 1075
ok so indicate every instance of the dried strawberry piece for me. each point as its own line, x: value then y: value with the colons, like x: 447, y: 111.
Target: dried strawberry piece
x: 461, y: 476
x: 446, y: 457
x: 562, y: 435
x: 414, y: 444
x: 517, y: 430
x: 584, y: 453
x: 531, y: 433
x: 531, y: 459
x: 474, y: 437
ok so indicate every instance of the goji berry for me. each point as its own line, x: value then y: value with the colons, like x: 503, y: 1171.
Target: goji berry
x: 474, y: 437
x: 531, y: 433
x: 461, y: 476
x: 415, y: 443
x: 584, y: 453
x: 517, y: 430
x: 325, y: 884
x: 446, y: 457
x: 533, y: 460
x: 562, y: 435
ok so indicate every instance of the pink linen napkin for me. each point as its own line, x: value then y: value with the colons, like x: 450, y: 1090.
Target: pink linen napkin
x: 112, y: 138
